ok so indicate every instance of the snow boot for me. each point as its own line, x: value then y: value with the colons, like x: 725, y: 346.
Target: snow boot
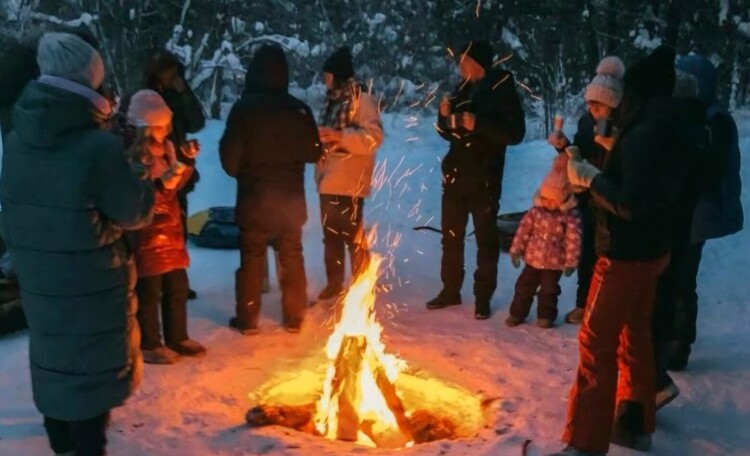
x: 570, y: 451
x: 293, y: 329
x: 160, y: 355
x: 482, y: 309
x: 545, y: 323
x: 192, y: 295
x: 627, y: 430
x: 676, y: 355
x: 444, y: 299
x: 512, y: 321
x: 331, y: 291
x: 666, y: 395
x: 575, y: 316
x: 188, y: 347
x: 235, y: 324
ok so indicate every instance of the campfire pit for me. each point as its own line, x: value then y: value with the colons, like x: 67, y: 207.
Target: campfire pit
x: 366, y: 396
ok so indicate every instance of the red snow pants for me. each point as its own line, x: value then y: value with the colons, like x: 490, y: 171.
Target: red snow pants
x: 615, y: 338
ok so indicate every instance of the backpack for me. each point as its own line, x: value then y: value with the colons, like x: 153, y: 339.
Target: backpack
x: 219, y: 231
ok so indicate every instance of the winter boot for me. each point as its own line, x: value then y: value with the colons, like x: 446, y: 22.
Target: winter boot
x: 192, y: 295
x: 331, y: 291
x: 237, y: 325
x: 676, y: 355
x: 545, y: 323
x: 575, y: 316
x: 512, y: 321
x: 666, y: 395
x: 570, y: 451
x: 444, y: 299
x: 188, y: 347
x: 160, y: 355
x: 482, y: 309
x: 628, y: 428
x: 292, y: 328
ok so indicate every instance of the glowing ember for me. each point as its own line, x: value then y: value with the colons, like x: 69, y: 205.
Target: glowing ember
x: 360, y: 402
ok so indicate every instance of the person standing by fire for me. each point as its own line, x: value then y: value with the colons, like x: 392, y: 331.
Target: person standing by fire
x: 480, y: 119
x: 352, y: 132
x: 270, y: 136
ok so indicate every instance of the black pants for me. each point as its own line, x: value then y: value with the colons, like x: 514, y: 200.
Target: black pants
x: 542, y: 283
x: 341, y: 218
x: 83, y: 438
x: 171, y: 290
x: 456, y: 208
x: 287, y: 242
x: 588, y: 255
x: 676, y: 307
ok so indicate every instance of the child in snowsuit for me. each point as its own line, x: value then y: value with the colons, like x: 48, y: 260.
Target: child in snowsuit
x: 160, y: 251
x: 549, y: 241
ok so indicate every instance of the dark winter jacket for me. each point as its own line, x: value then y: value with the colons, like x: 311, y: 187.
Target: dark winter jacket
x: 638, y: 189
x: 719, y: 212
x: 160, y: 247
x: 270, y: 136
x: 476, y: 160
x: 67, y: 193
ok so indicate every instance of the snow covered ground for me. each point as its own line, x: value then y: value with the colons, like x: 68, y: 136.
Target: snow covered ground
x: 197, y: 407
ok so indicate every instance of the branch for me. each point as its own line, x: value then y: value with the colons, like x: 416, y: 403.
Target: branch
x: 185, y: 8
x: 85, y: 19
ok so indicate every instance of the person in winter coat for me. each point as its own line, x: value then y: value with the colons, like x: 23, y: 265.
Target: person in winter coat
x: 694, y: 141
x: 68, y: 192
x: 481, y: 118
x: 549, y: 241
x: 164, y: 74
x: 718, y: 213
x: 602, y: 95
x: 161, y: 256
x: 636, y: 194
x: 270, y: 136
x: 351, y: 132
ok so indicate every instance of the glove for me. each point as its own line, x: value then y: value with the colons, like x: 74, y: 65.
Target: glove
x: 580, y: 172
x: 516, y: 261
x: 567, y: 272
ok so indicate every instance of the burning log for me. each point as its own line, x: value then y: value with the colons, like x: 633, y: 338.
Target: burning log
x: 299, y: 418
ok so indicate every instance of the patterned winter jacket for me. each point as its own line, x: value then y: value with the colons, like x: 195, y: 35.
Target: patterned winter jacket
x: 550, y: 239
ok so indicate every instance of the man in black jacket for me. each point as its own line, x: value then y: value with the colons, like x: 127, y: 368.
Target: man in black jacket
x: 269, y: 138
x: 481, y: 118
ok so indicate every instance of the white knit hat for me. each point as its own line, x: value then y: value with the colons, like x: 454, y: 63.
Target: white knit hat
x: 69, y: 57
x: 148, y: 109
x: 606, y: 87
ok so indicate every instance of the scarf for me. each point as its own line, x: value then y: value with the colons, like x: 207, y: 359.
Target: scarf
x: 341, y: 104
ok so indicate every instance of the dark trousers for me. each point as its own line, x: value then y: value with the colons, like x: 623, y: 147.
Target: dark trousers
x: 588, y: 255
x: 676, y: 309
x: 542, y: 283
x: 616, y: 357
x: 171, y: 290
x: 456, y: 208
x: 341, y: 218
x: 83, y: 438
x: 287, y: 242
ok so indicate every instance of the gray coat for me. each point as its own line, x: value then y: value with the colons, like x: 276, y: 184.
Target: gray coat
x: 67, y: 192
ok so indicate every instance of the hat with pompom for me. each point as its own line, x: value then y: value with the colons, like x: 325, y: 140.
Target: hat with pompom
x: 606, y: 87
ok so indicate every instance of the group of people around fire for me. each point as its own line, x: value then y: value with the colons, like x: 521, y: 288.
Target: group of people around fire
x: 94, y: 197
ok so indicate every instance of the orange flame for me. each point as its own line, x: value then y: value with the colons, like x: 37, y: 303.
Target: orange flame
x: 358, y: 320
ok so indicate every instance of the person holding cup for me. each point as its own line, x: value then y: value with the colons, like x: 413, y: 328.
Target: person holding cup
x: 161, y: 255
x: 480, y: 119
x: 594, y: 138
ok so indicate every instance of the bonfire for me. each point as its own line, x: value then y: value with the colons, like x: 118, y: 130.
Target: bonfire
x: 367, y: 397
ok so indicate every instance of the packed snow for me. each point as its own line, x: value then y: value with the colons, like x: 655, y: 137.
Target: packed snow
x: 197, y: 407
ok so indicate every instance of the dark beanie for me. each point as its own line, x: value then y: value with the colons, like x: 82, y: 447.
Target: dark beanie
x: 340, y: 64
x: 653, y: 76
x: 480, y: 51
